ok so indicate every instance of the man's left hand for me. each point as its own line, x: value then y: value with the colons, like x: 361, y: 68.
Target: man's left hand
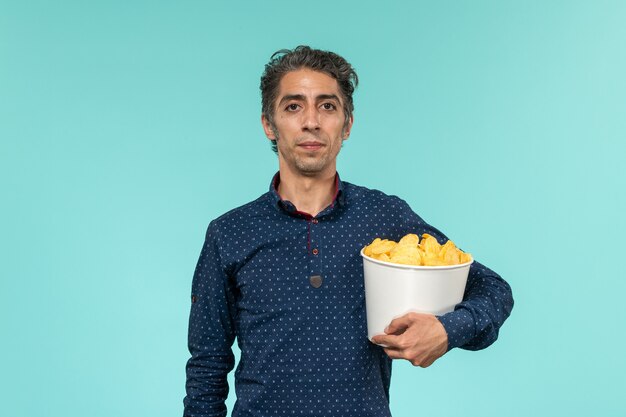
x: 419, y: 338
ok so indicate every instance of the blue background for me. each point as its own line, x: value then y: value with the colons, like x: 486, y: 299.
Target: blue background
x: 126, y: 126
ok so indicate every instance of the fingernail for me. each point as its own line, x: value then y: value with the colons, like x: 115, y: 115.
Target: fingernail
x: 386, y: 328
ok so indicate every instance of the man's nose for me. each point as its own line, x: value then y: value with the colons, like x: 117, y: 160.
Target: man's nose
x: 311, y: 119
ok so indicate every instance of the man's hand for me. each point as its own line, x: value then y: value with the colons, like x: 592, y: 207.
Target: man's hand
x: 418, y: 338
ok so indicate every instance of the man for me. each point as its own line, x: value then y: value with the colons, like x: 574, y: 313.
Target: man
x: 283, y: 274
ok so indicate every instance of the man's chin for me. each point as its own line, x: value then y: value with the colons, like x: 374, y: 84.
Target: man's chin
x: 310, y: 172
x: 310, y: 169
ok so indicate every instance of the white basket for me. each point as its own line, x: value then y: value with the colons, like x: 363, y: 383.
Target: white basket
x: 392, y: 290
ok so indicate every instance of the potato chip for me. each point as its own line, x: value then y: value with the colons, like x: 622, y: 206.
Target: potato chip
x: 405, y: 254
x: 430, y: 245
x: 451, y: 257
x: 401, y: 250
x: 465, y: 257
x: 384, y: 246
x: 449, y: 253
x: 427, y: 243
x: 445, y: 247
x: 433, y: 261
x: 368, y: 249
x: 383, y: 257
x: 409, y: 240
x: 406, y: 260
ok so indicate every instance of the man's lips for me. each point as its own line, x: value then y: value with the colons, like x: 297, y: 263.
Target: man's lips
x: 310, y: 145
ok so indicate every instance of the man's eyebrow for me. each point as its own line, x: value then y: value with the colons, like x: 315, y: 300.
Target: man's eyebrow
x: 289, y: 97
x: 328, y: 97
x: 301, y: 97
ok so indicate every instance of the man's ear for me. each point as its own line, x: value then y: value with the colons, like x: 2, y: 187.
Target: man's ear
x: 348, y: 128
x: 267, y: 127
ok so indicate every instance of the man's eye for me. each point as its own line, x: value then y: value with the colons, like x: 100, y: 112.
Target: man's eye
x: 328, y: 106
x: 292, y: 107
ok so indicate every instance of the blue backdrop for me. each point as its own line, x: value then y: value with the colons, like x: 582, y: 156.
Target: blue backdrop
x: 126, y: 126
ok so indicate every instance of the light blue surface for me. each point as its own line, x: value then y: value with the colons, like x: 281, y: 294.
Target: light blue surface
x: 125, y: 127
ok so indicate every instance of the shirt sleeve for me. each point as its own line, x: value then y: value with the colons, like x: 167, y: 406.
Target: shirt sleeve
x: 487, y: 302
x: 211, y: 333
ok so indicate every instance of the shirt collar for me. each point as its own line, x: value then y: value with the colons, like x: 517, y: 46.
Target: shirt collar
x: 285, y: 205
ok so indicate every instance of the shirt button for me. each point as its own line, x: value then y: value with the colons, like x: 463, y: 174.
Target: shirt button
x: 315, y: 251
x: 314, y: 221
x: 316, y: 281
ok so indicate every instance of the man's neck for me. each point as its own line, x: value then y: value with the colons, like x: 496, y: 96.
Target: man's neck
x: 309, y: 194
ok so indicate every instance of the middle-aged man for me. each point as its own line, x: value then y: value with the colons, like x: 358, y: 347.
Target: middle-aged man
x: 283, y: 273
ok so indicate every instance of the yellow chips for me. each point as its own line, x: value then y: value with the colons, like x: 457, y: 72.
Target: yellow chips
x: 411, y: 251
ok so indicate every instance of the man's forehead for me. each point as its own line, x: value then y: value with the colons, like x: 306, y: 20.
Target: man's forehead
x: 308, y: 82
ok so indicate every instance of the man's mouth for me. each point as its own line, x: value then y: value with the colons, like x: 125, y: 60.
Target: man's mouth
x: 311, y: 145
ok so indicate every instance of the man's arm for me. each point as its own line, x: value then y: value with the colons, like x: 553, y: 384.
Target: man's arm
x: 211, y: 334
x: 473, y: 325
x: 487, y: 303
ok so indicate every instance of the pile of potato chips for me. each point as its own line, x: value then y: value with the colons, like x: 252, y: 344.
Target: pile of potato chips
x: 411, y: 251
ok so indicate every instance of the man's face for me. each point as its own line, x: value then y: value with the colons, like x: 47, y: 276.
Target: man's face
x: 309, y: 122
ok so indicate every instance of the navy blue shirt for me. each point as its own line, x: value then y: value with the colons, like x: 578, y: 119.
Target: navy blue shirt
x: 289, y: 287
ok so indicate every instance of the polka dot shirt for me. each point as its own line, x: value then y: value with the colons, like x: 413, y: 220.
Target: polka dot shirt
x: 289, y: 288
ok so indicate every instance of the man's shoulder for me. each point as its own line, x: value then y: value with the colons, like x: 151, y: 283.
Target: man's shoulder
x: 239, y: 215
x: 361, y: 194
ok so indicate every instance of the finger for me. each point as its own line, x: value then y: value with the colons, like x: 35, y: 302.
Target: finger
x: 399, y: 324
x: 394, y: 353
x: 395, y: 331
x: 386, y: 339
x: 427, y: 363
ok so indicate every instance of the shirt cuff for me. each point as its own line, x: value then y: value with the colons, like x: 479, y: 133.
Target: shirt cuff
x: 459, y: 325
